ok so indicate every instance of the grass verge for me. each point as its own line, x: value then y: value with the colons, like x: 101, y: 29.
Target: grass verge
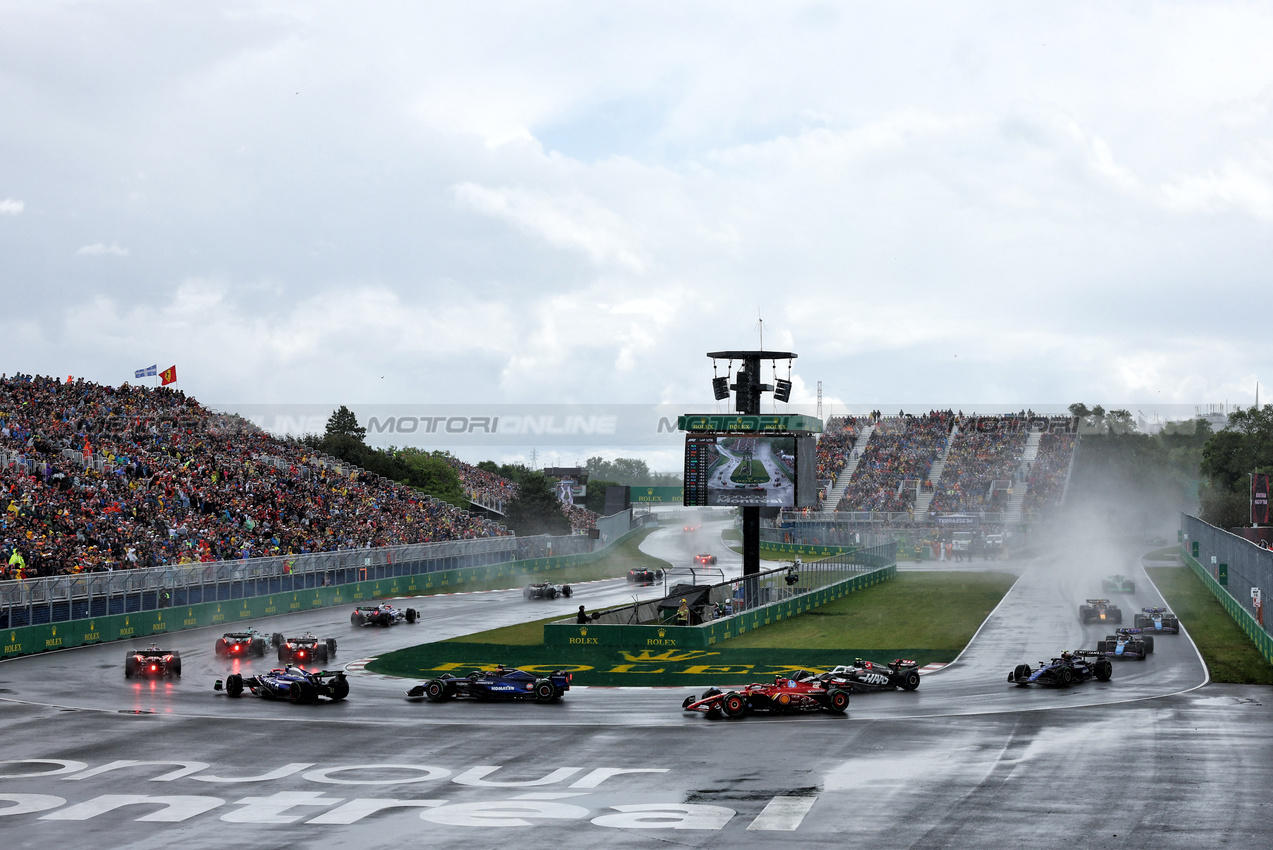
x: 928, y: 617
x: 1229, y: 653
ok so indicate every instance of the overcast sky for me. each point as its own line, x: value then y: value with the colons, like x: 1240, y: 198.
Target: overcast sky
x: 932, y: 203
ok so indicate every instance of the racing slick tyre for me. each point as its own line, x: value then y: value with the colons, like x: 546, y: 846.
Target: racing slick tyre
x: 1021, y: 674
x: 1065, y: 676
x: 1102, y: 647
x: 734, y: 705
x: 130, y: 666
x: 837, y: 700
x: 331, y: 646
x: 545, y: 691
x: 412, y: 616
x: 284, y: 654
x: 356, y: 619
x: 339, y: 688
x: 276, y: 639
x: 175, y: 666
x: 565, y: 591
x: 234, y: 685
x: 1149, y: 644
x: 911, y: 680
x: 435, y: 690
x: 1103, y: 670
x: 320, y: 653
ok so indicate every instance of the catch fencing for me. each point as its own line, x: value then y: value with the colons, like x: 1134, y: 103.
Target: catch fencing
x: 1231, y: 566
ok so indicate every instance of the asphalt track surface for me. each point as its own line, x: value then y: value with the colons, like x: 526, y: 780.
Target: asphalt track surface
x: 1154, y: 758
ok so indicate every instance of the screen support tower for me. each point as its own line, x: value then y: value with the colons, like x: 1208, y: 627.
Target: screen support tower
x: 747, y: 388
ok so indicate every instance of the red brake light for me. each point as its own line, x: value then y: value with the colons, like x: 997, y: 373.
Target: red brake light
x: 154, y: 667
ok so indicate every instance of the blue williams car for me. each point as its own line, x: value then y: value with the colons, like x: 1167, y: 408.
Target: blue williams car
x: 289, y: 683
x: 1127, y: 643
x: 1066, y: 669
x: 1159, y: 621
x: 502, y: 683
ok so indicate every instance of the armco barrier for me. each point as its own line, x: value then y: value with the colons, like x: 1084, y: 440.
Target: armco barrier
x: 714, y: 631
x: 148, y: 626
x: 1240, y: 615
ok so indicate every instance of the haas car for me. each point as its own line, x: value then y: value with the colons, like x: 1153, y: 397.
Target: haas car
x: 304, y: 649
x: 1127, y: 643
x: 382, y: 615
x: 802, y: 692
x: 154, y: 661
x: 709, y: 560
x: 502, y: 683
x: 1118, y: 584
x: 1100, y: 611
x: 288, y: 683
x: 872, y: 676
x: 1158, y: 621
x: 544, y: 590
x: 241, y: 644
x: 1067, y: 669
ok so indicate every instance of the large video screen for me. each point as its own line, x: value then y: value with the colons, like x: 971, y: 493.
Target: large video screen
x: 762, y: 471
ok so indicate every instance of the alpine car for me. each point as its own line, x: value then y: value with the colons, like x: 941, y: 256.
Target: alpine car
x: 871, y: 676
x: 1127, y: 643
x: 800, y: 693
x: 502, y: 683
x: 290, y: 683
x: 1157, y: 621
x: 241, y: 644
x: 1118, y: 584
x: 382, y: 615
x: 1064, y: 670
x: 705, y: 559
x: 152, y: 662
x: 1100, y: 611
x: 306, y: 649
x: 544, y: 590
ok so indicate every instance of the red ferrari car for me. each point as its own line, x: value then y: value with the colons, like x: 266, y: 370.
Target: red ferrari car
x: 802, y: 692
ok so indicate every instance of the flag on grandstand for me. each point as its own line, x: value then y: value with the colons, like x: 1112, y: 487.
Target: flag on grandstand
x: 169, y: 375
x: 149, y: 371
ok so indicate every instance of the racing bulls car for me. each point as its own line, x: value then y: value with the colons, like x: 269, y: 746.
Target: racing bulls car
x: 1100, y: 611
x: 1118, y: 584
x: 1157, y: 621
x: 502, y: 683
x: 306, y: 649
x: 290, y: 683
x: 544, y: 590
x: 1126, y: 643
x: 870, y: 676
x: 382, y: 615
x: 1066, y: 669
x: 240, y: 644
x: 802, y: 692
x: 644, y: 577
x: 705, y: 559
x: 152, y: 662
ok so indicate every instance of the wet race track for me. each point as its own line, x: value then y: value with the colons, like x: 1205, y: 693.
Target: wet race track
x: 1151, y: 758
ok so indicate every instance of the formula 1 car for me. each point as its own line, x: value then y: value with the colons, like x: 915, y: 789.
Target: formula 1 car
x: 290, y: 683
x: 382, y: 615
x: 644, y: 577
x: 871, y: 676
x: 1100, y: 611
x: 1118, y: 584
x: 152, y: 662
x: 544, y: 590
x: 693, y: 527
x: 241, y: 644
x: 705, y: 559
x: 1126, y: 643
x: 802, y: 692
x: 1157, y: 620
x: 306, y: 649
x: 502, y: 683
x: 1066, y: 669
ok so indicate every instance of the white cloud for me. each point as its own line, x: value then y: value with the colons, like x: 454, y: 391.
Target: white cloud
x: 9, y: 206
x: 101, y: 248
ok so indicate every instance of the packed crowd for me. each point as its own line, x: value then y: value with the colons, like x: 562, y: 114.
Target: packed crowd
x: 1048, y: 473
x: 480, y: 484
x: 900, y: 448
x: 984, y: 451
x: 835, y: 446
x: 102, y: 478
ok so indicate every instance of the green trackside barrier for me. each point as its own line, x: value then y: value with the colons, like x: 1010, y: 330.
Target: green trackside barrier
x: 779, y: 551
x: 145, y: 627
x: 715, y: 631
x: 1240, y: 615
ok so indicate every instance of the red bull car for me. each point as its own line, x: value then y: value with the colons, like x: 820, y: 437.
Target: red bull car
x: 152, y: 662
x: 800, y: 693
x: 1100, y: 611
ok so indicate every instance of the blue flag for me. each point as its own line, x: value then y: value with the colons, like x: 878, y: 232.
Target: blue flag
x: 152, y: 371
x: 140, y: 373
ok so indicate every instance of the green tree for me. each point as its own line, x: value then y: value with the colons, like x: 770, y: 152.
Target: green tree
x: 344, y: 422
x: 536, y: 509
x: 632, y: 472
x: 595, y: 500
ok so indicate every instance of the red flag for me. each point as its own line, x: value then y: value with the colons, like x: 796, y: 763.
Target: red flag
x: 169, y: 375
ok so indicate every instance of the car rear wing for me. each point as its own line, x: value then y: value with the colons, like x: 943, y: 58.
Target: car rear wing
x: 1098, y: 602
